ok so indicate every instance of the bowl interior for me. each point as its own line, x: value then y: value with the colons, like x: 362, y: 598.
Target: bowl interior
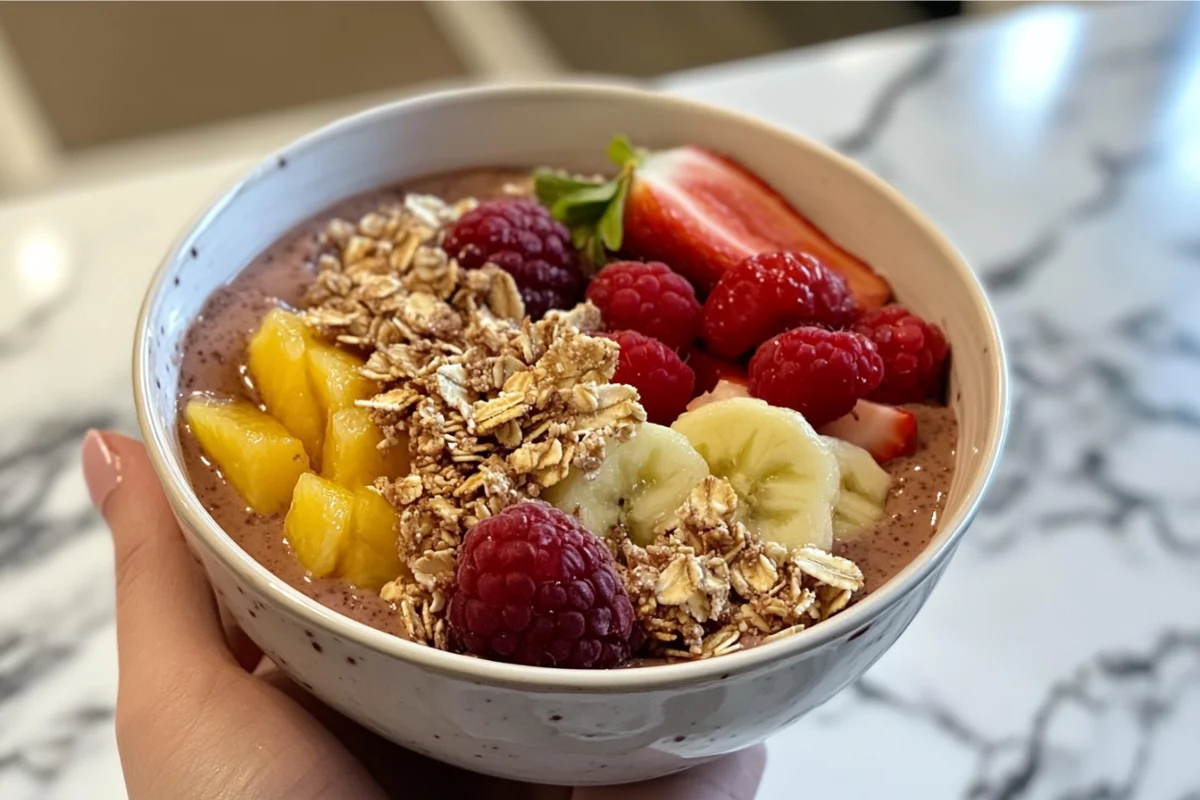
x: 569, y: 127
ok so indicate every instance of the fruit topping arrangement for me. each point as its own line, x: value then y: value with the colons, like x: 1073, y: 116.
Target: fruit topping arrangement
x: 620, y: 418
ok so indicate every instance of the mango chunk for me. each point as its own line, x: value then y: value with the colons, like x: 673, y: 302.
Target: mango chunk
x: 318, y: 524
x: 279, y: 367
x: 255, y: 453
x: 364, y: 567
x: 336, y: 378
x: 352, y: 455
x: 376, y: 524
x: 372, y: 559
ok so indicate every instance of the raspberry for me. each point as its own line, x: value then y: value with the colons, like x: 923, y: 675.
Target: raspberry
x: 648, y: 298
x: 534, y: 587
x: 663, y: 381
x: 770, y: 293
x: 913, y: 353
x: 520, y: 237
x: 819, y: 373
x: 710, y: 370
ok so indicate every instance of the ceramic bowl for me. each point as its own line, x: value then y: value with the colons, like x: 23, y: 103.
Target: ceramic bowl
x: 549, y: 725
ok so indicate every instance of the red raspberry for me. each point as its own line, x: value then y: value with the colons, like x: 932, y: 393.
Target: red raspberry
x: 534, y: 587
x: 913, y: 353
x: 663, y: 381
x: 648, y: 298
x: 520, y: 237
x: 710, y: 370
x: 770, y: 293
x: 819, y: 373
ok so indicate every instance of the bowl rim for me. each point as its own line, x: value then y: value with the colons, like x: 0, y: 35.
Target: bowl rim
x: 157, y: 436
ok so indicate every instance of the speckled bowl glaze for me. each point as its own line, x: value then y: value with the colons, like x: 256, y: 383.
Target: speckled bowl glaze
x: 548, y: 725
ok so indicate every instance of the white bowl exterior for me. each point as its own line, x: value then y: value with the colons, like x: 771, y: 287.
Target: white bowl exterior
x: 554, y: 736
x: 622, y: 725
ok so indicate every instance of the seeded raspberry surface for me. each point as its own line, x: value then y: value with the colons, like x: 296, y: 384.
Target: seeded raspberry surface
x: 913, y: 351
x: 663, y: 381
x: 770, y: 293
x: 817, y: 372
x: 520, y: 237
x: 648, y: 298
x: 534, y: 587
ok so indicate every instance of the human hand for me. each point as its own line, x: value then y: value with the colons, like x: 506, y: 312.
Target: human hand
x: 200, y: 713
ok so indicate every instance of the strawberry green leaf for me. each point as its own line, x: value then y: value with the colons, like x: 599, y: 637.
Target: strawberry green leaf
x: 584, y: 238
x: 612, y: 221
x: 593, y: 210
x: 585, y: 205
x: 550, y: 186
x: 621, y: 151
x: 594, y: 250
x: 580, y: 236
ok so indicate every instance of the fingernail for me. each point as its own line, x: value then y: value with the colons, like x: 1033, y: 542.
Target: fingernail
x: 101, y: 468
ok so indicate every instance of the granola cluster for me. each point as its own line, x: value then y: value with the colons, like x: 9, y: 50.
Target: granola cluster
x: 708, y: 585
x: 492, y: 407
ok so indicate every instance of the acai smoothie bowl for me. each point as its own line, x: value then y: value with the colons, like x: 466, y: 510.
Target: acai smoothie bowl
x: 572, y: 434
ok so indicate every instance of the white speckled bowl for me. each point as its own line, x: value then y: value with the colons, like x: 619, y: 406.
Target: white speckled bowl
x: 549, y: 725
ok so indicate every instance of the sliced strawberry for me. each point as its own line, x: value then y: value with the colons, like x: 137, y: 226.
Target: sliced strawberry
x: 696, y: 210
x: 710, y: 370
x: 724, y: 390
x: 886, y: 432
x: 702, y: 213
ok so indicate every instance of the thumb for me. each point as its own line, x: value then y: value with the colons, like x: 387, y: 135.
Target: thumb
x: 166, y: 615
x: 732, y: 777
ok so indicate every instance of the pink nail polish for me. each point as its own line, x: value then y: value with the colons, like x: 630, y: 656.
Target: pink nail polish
x: 101, y: 468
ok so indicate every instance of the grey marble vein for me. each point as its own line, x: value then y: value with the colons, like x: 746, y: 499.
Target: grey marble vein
x: 1190, y: 250
x: 882, y: 109
x: 29, y: 472
x: 43, y: 761
x: 1147, y: 685
x: 1115, y: 172
x: 1054, y: 370
x: 22, y: 332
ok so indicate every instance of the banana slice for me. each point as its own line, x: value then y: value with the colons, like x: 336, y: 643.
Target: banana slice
x: 864, y: 488
x: 640, y: 484
x: 784, y: 474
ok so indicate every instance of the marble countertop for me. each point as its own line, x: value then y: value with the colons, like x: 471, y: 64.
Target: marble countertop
x: 1060, y: 655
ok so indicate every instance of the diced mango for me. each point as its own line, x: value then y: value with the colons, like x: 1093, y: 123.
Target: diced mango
x: 366, y: 568
x: 376, y: 524
x: 372, y: 559
x: 255, y: 453
x: 336, y: 378
x: 352, y: 454
x: 318, y: 524
x: 279, y: 368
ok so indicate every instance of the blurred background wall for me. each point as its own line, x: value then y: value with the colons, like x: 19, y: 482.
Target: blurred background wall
x: 90, y: 90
